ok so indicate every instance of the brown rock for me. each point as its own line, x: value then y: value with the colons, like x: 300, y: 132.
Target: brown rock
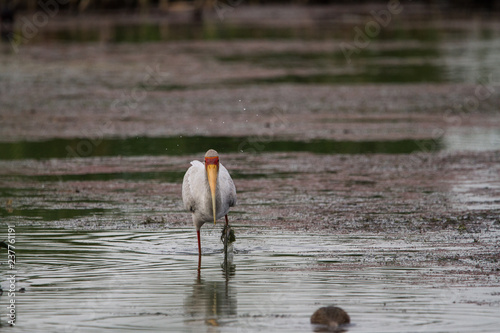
x: 330, y: 316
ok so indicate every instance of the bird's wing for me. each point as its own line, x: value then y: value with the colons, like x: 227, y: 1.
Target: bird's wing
x: 198, y: 164
x: 190, y: 179
x: 227, y: 186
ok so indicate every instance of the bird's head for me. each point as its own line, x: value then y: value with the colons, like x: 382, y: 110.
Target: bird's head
x: 212, y: 168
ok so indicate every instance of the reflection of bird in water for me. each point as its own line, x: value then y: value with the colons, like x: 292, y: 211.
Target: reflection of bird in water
x: 208, y: 191
x: 210, y: 301
x: 330, y: 318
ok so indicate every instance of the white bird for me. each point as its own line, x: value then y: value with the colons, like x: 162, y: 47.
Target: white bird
x: 208, y: 191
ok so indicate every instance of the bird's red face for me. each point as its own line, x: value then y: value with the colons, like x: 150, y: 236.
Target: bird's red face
x: 212, y: 168
x: 212, y: 161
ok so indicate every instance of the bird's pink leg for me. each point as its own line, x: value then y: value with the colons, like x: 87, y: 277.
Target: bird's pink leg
x: 226, y: 231
x: 199, y: 253
x: 199, y: 243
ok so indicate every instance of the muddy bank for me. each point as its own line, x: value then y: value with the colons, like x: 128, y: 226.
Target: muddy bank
x: 300, y: 191
x: 438, y: 212
x: 283, y: 88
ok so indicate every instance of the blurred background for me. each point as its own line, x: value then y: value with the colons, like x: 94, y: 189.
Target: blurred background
x: 165, y: 5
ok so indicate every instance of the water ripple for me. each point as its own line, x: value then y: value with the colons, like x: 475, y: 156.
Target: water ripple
x: 99, y: 281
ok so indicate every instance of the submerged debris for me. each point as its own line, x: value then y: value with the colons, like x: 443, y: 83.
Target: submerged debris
x: 227, y: 230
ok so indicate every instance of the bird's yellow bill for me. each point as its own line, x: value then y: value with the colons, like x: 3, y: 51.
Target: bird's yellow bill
x: 212, y: 182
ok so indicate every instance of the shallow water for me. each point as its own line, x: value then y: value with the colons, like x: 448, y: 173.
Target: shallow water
x: 467, y: 139
x: 462, y: 53
x: 130, y: 32
x: 472, y: 139
x: 99, y: 281
x: 182, y: 145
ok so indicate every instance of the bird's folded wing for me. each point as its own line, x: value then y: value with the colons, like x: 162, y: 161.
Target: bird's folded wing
x: 188, y: 192
x: 197, y: 164
x: 228, y: 188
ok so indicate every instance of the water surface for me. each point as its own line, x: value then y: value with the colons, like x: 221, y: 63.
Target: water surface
x: 183, y: 145
x: 466, y: 139
x: 124, y: 281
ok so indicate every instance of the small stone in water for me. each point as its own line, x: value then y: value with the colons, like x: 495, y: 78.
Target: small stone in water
x: 330, y: 316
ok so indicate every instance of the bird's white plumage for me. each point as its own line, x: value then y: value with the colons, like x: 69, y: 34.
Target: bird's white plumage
x: 196, y: 193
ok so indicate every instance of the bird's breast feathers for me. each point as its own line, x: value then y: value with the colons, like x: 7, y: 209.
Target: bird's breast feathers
x: 196, y: 192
